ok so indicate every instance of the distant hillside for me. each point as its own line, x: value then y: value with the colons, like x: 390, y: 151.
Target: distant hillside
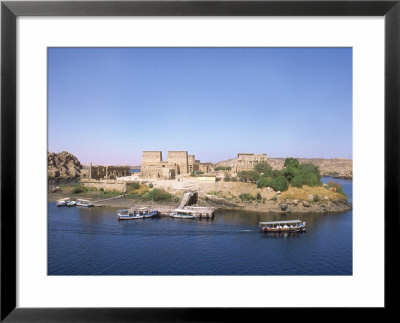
x: 63, y: 165
x: 340, y: 167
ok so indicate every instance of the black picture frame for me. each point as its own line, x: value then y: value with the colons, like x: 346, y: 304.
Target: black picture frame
x: 10, y: 10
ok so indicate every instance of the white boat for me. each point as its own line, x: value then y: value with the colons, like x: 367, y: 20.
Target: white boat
x: 71, y: 203
x: 183, y: 214
x: 283, y: 226
x: 133, y: 214
x: 83, y: 203
x: 63, y: 202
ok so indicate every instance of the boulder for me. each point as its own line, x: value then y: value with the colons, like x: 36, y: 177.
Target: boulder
x: 283, y: 206
x: 310, y: 197
x: 306, y: 204
x: 295, y: 202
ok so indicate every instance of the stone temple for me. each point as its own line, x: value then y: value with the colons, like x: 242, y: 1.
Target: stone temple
x: 103, y: 172
x: 177, y: 163
x: 245, y: 162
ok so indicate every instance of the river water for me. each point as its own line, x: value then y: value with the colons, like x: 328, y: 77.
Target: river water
x: 93, y: 242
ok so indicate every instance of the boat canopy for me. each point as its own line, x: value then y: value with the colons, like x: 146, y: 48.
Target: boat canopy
x: 280, y: 222
x: 145, y: 208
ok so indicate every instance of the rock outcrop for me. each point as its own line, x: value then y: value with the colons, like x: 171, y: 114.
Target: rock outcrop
x: 63, y: 165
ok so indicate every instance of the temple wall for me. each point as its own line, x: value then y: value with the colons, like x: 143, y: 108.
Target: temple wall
x: 245, y: 162
x: 180, y: 159
x: 106, y: 185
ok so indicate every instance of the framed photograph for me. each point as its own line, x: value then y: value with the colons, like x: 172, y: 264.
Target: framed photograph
x: 162, y: 159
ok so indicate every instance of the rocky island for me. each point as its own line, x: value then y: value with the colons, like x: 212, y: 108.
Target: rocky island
x: 294, y: 186
x: 63, y: 165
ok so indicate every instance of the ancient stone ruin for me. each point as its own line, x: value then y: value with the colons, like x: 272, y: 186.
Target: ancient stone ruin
x: 177, y: 163
x: 105, y: 172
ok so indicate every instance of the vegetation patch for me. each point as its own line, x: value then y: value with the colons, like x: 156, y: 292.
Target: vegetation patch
x: 245, y: 197
x: 295, y: 193
x: 336, y: 187
x: 293, y: 174
x: 159, y: 195
x: 77, y: 189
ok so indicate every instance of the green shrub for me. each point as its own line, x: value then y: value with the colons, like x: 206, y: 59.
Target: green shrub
x: 259, y: 197
x: 297, y: 181
x: 263, y: 182
x: 316, y: 198
x: 275, y: 173
x: 159, y: 195
x: 227, y: 177
x: 264, y: 168
x: 310, y: 168
x: 133, y: 186
x: 246, y: 197
x: 279, y: 183
x: 274, y: 198
x: 290, y: 173
x: 248, y: 176
x: 78, y: 189
x: 151, y: 185
x: 291, y: 163
x: 310, y: 179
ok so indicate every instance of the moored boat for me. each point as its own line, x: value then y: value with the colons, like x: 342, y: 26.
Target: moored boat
x: 83, y: 203
x: 283, y: 226
x: 71, y: 203
x: 183, y: 214
x: 63, y: 202
x: 133, y: 214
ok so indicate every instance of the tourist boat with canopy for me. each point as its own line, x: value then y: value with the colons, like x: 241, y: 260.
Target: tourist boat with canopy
x: 283, y: 226
x: 133, y: 214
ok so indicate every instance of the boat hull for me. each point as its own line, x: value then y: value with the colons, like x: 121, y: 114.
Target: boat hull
x: 60, y: 204
x: 283, y: 229
x: 83, y: 205
x: 137, y: 217
x: 177, y: 216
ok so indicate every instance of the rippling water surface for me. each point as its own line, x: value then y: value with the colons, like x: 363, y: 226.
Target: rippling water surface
x: 93, y: 242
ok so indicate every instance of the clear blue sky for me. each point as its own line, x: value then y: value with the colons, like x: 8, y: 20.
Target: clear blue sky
x: 107, y: 105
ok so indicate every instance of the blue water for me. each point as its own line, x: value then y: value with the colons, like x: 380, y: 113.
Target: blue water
x: 93, y: 242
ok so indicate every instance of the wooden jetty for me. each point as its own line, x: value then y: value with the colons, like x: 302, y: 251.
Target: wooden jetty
x: 96, y: 203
